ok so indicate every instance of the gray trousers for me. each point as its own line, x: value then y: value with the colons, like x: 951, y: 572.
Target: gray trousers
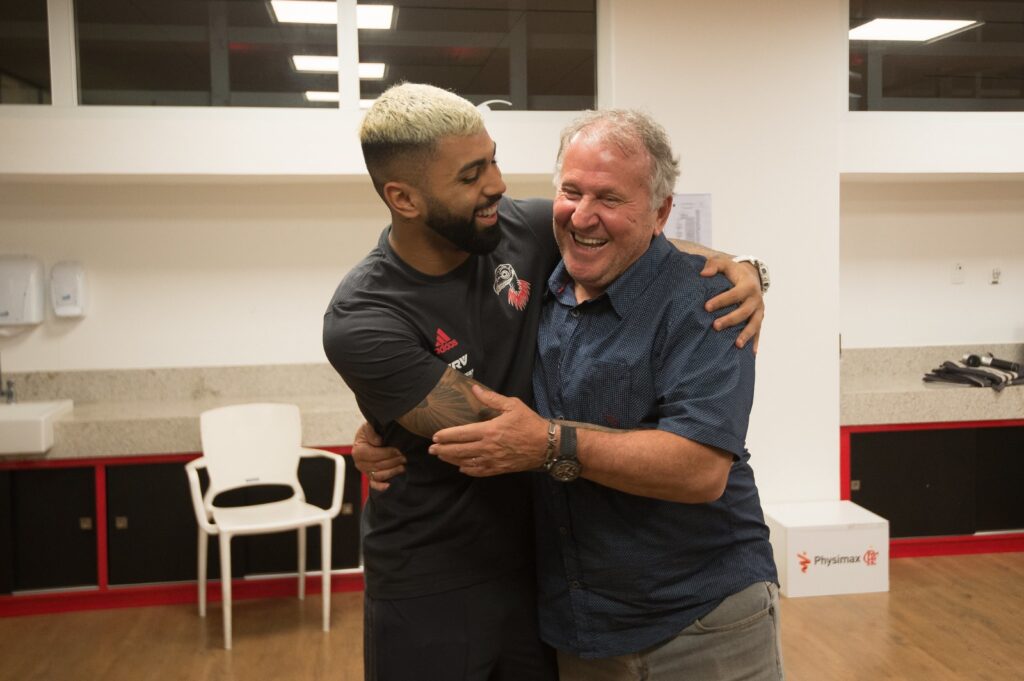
x: 737, y: 640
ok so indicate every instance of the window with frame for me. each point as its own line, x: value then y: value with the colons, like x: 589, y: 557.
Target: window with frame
x: 24, y: 53
x: 936, y: 55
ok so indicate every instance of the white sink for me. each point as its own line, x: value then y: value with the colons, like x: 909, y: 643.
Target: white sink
x: 27, y: 427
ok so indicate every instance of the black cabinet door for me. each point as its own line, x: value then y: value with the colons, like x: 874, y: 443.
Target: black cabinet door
x: 922, y: 481
x: 54, y: 528
x: 6, y: 535
x: 278, y: 553
x: 1000, y: 479
x: 151, y: 527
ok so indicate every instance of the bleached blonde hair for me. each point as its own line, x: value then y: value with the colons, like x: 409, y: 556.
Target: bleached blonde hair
x: 405, y: 124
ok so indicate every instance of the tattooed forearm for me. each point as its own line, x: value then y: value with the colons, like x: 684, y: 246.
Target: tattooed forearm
x: 450, y: 403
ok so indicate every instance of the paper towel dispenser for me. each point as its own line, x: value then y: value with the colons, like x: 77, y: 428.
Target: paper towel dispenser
x: 21, y: 293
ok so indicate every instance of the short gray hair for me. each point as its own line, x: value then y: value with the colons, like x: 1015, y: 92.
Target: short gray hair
x: 631, y: 131
x: 409, y: 119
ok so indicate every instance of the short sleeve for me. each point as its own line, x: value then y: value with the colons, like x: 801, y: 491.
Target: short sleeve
x: 381, y: 358
x: 705, y: 383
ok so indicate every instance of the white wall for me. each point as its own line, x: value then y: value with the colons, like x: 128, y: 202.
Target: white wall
x: 190, y: 274
x: 225, y: 141
x: 754, y: 107
x: 899, y: 243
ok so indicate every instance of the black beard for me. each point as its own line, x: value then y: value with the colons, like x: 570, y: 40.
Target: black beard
x: 462, y: 232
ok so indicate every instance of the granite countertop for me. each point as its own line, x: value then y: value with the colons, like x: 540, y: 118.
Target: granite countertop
x: 156, y: 411
x: 884, y: 386
x: 135, y: 412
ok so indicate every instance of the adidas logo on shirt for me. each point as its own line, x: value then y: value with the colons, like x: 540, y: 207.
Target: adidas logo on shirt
x: 444, y: 342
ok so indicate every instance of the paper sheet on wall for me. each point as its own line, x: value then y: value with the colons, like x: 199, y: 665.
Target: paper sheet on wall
x: 690, y: 218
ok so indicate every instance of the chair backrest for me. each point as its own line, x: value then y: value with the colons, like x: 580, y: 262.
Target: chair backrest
x: 251, y: 444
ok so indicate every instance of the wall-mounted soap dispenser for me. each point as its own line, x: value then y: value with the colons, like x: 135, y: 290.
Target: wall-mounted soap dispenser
x: 21, y: 293
x: 67, y: 289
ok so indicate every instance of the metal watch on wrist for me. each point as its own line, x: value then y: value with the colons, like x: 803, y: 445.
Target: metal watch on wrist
x: 566, y: 466
x: 762, y: 270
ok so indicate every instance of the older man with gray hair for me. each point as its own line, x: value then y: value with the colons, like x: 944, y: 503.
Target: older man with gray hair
x: 652, y: 551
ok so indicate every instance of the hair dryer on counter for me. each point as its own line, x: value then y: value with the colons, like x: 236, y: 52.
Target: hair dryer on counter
x: 990, y: 361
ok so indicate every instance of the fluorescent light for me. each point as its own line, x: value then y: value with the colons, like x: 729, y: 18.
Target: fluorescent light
x: 324, y: 96
x: 329, y: 64
x: 917, y: 30
x: 315, y: 64
x: 304, y: 12
x: 371, y: 70
x: 374, y: 16
x: 308, y: 12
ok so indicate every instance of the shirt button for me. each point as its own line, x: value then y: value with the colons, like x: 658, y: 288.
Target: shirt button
x: 563, y: 531
x: 574, y: 584
x: 575, y: 313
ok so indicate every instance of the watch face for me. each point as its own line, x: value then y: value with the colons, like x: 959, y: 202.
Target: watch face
x: 565, y: 470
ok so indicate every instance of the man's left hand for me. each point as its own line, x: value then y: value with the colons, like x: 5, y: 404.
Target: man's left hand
x: 513, y: 441
x: 745, y: 294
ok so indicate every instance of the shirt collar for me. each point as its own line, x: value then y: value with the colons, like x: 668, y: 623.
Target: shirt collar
x: 627, y: 288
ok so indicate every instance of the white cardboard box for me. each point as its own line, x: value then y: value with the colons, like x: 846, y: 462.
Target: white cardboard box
x: 828, y: 547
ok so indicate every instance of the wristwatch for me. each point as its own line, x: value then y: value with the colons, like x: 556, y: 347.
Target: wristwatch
x: 762, y: 270
x: 566, y: 466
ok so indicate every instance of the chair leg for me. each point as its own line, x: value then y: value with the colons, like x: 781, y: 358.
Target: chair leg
x: 325, y: 570
x: 302, y: 563
x: 225, y: 586
x: 203, y: 544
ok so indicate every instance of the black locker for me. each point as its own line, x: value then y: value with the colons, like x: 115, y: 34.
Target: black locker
x: 6, y: 535
x: 151, y: 527
x: 1000, y: 479
x: 54, y: 516
x: 921, y: 481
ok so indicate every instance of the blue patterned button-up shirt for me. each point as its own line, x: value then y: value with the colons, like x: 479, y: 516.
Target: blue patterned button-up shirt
x: 618, y: 572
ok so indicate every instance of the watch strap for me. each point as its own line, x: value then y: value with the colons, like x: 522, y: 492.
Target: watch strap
x: 549, y: 450
x: 762, y: 270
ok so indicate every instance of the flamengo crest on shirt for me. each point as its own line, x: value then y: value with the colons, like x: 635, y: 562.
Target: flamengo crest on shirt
x: 443, y: 342
x: 518, y: 289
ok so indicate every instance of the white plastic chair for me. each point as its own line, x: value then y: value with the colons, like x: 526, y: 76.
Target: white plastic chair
x: 258, y: 444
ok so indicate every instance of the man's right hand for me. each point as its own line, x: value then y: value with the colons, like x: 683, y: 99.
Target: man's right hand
x: 374, y: 460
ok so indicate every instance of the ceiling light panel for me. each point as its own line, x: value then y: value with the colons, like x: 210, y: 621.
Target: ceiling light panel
x: 911, y: 30
x: 310, y: 12
x: 308, y: 63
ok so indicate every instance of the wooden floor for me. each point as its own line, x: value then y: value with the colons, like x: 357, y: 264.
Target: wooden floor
x: 945, y: 618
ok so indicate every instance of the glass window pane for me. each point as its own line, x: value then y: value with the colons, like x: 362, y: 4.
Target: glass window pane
x: 976, y: 67
x: 24, y: 53
x: 539, y: 56
x: 198, y: 53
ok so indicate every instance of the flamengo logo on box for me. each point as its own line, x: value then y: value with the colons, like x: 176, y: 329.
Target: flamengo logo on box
x: 869, y: 558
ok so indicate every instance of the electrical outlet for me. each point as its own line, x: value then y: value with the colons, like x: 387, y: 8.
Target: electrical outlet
x: 958, y: 275
x: 996, y: 274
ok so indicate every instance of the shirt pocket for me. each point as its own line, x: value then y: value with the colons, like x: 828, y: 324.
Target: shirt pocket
x: 604, y: 394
